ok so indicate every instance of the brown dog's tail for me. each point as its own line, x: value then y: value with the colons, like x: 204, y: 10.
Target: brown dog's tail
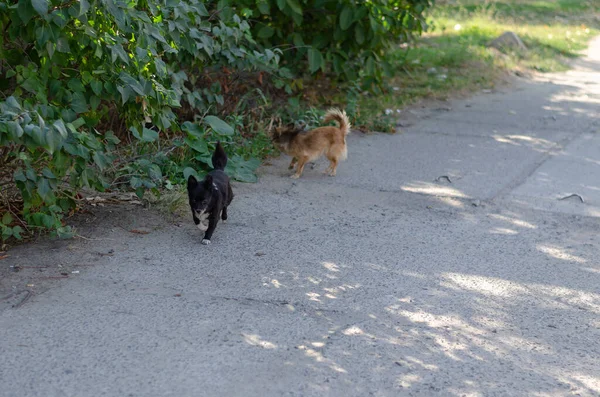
x: 338, y: 115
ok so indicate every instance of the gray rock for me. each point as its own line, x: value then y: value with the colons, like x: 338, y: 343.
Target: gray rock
x: 508, y: 40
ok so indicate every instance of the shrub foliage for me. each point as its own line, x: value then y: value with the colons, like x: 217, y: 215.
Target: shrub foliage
x: 84, y: 81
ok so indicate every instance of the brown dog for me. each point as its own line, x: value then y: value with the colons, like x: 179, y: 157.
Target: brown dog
x: 308, y: 146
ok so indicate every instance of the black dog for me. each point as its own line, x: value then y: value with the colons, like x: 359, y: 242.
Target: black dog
x: 210, y: 197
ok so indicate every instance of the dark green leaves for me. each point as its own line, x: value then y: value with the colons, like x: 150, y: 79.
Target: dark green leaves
x: 190, y: 171
x: 40, y: 6
x: 96, y: 87
x: 295, y: 6
x: 323, y: 30
x: 315, y: 60
x: 25, y: 10
x: 147, y: 134
x: 263, y: 6
x: 78, y: 103
x: 198, y: 145
x: 265, y: 32
x: 218, y: 125
x: 84, y: 6
x: 346, y: 18
x: 117, y: 52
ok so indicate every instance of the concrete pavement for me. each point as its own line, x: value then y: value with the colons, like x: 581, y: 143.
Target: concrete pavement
x: 440, y: 261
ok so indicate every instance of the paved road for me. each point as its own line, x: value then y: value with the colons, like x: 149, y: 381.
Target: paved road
x: 382, y: 281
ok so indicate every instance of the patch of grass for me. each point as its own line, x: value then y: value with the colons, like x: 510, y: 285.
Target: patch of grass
x: 454, y: 56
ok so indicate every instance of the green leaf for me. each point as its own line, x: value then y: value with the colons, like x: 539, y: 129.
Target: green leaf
x: 134, y: 131
x: 84, y: 6
x: 16, y: 231
x: 117, y: 51
x: 78, y: 123
x: 65, y: 232
x: 111, y: 138
x: 36, y: 134
x: 41, y: 6
x: 315, y: 60
x: 263, y: 7
x: 48, y: 173
x: 281, y: 4
x: 201, y: 10
x: 135, y: 182
x: 346, y: 18
x: 100, y: 159
x: 94, y: 102
x: 161, y: 67
x: 297, y: 40
x: 25, y: 11
x: 198, y: 145
x: 62, y: 45
x: 125, y: 93
x: 149, y: 135
x: 32, y: 84
x: 45, y: 191
x: 15, y: 129
x: 190, y: 171
x: 12, y: 103
x: 370, y: 66
x: 7, y: 218
x: 61, y: 162
x: 96, y: 86
x: 218, y: 125
x: 192, y: 129
x: 245, y: 175
x: 265, y: 32
x: 53, y: 140
x: 6, y: 232
x: 60, y: 127
x: 19, y: 176
x: 43, y: 34
x: 295, y: 6
x: 78, y: 103
x: 359, y: 34
x: 132, y: 83
x: 76, y: 85
x: 50, y: 47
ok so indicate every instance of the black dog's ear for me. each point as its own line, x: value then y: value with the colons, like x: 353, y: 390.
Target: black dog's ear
x: 208, y: 181
x: 192, y: 182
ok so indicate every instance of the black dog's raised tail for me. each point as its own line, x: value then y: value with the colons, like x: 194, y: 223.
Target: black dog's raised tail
x: 219, y: 158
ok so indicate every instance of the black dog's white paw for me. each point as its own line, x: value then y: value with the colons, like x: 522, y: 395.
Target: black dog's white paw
x: 205, y: 241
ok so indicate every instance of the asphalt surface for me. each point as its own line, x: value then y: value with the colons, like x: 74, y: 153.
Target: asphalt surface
x: 456, y: 258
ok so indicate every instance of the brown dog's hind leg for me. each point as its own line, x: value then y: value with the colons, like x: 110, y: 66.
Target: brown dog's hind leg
x: 333, y: 166
x: 292, y: 163
x: 301, y: 162
x: 333, y: 163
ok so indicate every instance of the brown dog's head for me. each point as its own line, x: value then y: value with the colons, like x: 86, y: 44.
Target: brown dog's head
x: 283, y: 135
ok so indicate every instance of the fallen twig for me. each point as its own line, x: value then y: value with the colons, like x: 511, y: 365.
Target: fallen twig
x: 25, y: 299
x: 573, y: 195
x: 136, y: 231
x: 443, y: 177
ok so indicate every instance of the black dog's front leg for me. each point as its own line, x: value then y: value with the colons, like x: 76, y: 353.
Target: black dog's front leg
x: 196, y: 220
x: 212, y: 224
x: 224, y: 214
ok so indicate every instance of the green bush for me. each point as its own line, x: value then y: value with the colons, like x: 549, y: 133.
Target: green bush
x: 101, y: 94
x: 348, y: 38
x: 84, y: 79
